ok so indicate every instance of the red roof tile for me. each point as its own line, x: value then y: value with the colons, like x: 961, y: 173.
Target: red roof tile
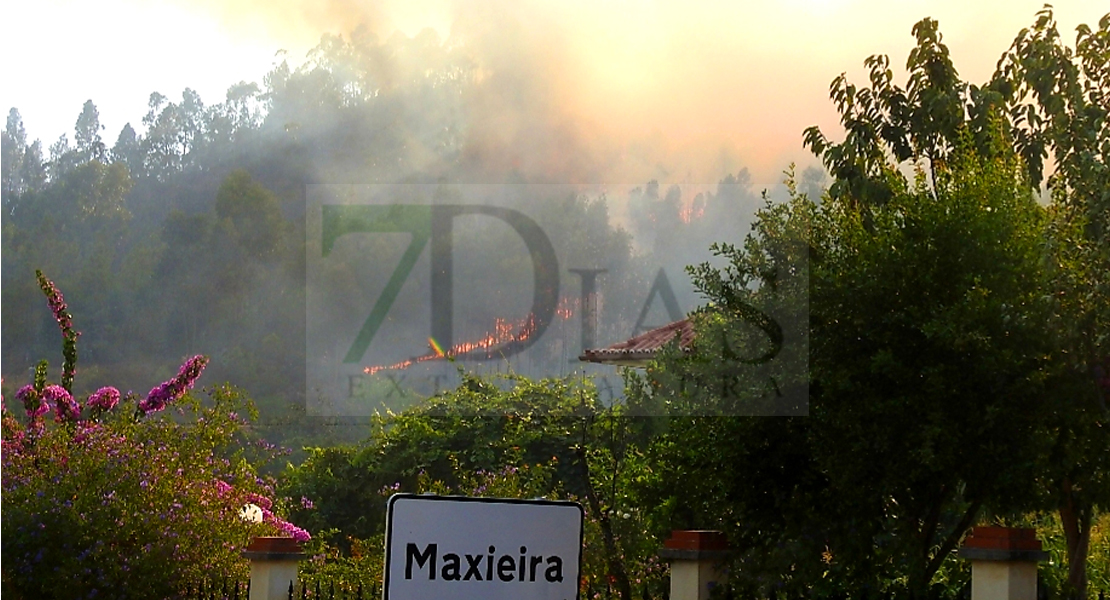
x: 643, y: 347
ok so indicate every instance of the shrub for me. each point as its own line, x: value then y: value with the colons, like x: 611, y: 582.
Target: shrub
x: 113, y: 497
x: 499, y: 437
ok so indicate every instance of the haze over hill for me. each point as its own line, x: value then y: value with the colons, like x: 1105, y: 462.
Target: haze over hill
x: 620, y: 92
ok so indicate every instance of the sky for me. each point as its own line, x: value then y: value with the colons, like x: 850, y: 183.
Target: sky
x: 693, y: 88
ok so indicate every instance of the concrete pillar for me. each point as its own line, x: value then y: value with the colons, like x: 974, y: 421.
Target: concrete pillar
x: 698, y: 563
x: 1003, y: 562
x: 274, y: 562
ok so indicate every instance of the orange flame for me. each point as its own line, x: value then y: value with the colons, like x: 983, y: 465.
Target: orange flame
x: 566, y: 308
x: 691, y: 213
x: 504, y: 331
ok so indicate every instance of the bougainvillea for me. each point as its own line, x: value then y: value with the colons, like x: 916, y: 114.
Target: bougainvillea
x: 114, y: 499
x: 104, y: 399
x: 34, y: 406
x: 65, y: 407
x: 65, y: 323
x: 170, y: 391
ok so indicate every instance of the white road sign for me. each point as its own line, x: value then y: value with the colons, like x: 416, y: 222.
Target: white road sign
x: 460, y: 548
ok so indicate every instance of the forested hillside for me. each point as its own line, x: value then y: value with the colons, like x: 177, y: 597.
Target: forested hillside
x: 185, y: 232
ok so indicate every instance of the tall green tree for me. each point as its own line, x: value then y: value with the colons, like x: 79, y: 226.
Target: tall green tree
x: 192, y: 136
x: 1059, y: 103
x: 13, y: 146
x: 1045, y: 99
x: 161, y: 142
x: 62, y: 159
x: 89, y: 145
x: 924, y: 345
x: 929, y: 304
x: 128, y: 151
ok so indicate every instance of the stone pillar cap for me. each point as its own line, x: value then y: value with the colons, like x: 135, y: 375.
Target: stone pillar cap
x: 273, y: 548
x: 1014, y: 544
x: 695, y: 544
x: 696, y: 539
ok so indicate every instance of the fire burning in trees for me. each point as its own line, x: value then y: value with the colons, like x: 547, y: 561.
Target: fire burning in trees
x: 693, y: 211
x: 504, y: 331
x: 566, y: 307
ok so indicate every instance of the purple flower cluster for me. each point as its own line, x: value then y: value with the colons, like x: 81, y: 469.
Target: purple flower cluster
x: 390, y: 489
x: 265, y: 504
x: 222, y: 488
x: 57, y: 303
x: 65, y: 407
x: 34, y: 405
x: 104, y: 399
x: 261, y: 501
x: 162, y: 395
x: 14, y: 444
x: 283, y: 526
x: 84, y: 430
x: 291, y: 530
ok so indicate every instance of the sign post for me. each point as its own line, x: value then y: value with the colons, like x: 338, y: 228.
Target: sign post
x: 461, y: 548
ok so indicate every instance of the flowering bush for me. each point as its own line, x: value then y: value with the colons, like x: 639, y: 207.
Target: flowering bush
x: 114, y: 498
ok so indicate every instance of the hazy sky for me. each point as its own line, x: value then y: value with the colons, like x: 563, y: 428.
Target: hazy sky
x: 703, y: 89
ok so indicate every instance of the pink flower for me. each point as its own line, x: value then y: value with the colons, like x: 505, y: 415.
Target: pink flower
x: 57, y: 303
x: 222, y: 488
x: 104, y: 399
x: 175, y: 388
x: 260, y: 500
x: 65, y: 407
x: 15, y: 444
x: 84, y: 428
x: 293, y: 531
x: 287, y: 528
x: 34, y: 405
x: 65, y: 323
x: 283, y: 526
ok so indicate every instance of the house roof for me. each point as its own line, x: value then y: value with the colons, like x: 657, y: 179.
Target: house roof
x: 636, y: 352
